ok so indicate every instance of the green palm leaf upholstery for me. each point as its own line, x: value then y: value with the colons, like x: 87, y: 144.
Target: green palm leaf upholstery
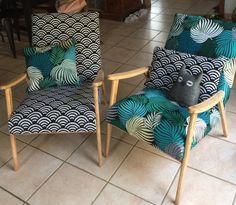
x: 150, y: 116
x: 158, y: 121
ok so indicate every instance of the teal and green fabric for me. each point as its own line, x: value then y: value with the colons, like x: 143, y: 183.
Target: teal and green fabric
x: 150, y: 116
x: 52, y: 65
x: 206, y: 37
x: 201, y: 36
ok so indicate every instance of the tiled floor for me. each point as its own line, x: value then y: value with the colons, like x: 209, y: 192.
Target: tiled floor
x: 62, y: 169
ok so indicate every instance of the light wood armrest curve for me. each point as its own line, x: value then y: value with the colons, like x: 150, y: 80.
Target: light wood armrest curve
x: 128, y: 74
x: 14, y: 82
x: 98, y: 81
x: 207, y: 104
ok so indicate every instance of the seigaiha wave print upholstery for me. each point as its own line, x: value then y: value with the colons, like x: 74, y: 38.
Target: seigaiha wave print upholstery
x: 51, y: 29
x: 151, y: 117
x: 63, y: 108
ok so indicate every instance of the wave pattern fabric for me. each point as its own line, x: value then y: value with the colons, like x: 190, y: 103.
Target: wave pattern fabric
x: 55, y: 110
x: 51, y: 29
x: 149, y: 116
x: 166, y: 65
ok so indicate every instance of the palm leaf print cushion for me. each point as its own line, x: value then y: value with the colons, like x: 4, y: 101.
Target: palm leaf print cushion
x: 201, y: 36
x: 206, y: 37
x: 151, y: 117
x: 51, y: 66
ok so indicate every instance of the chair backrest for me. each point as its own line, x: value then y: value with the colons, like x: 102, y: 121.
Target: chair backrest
x: 206, y: 37
x: 50, y: 29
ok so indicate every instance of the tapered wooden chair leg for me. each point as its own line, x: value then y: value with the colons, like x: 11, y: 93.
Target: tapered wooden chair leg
x: 184, y: 163
x: 104, y: 94
x: 108, y: 139
x: 14, y: 152
x: 223, y: 118
x: 98, y: 126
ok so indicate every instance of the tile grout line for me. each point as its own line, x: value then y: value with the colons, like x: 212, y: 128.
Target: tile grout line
x: 49, y: 177
x: 13, y: 195
x: 171, y: 184
x: 132, y: 147
x: 208, y: 174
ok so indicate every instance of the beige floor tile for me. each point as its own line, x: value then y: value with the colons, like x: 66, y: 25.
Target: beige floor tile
x: 140, y: 59
x: 215, y: 157
x: 8, y: 199
x: 59, y: 145
x: 119, y: 134
x: 154, y: 150
x: 68, y: 186
x: 173, y: 11
x: 159, y: 26
x: 218, y: 132
x: 124, y: 30
x: 111, y: 39
x: 120, y: 55
x: 35, y: 168
x: 105, y: 47
x: 182, y: 5
x: 5, y: 148
x: 230, y: 106
x: 146, y: 175
x: 133, y: 81
x: 7, y: 76
x: 164, y: 18
x: 86, y: 157
x: 3, y: 111
x: 161, y: 37
x: 156, y: 10
x: 20, y: 91
x: 109, y: 66
x: 149, y: 48
x: 123, y: 91
x: 202, y: 189
x: 14, y: 65
x: 112, y: 195
x: 146, y: 34
x: 132, y: 43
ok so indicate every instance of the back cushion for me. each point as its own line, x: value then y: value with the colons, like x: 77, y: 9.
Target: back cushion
x: 52, y: 28
x: 166, y: 65
x: 201, y: 36
x: 207, y: 37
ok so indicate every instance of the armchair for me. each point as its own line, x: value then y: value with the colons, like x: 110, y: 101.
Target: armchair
x: 61, y: 109
x: 151, y: 117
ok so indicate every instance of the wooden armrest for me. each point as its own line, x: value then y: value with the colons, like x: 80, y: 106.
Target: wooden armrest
x: 14, y: 82
x: 98, y: 81
x: 207, y: 104
x: 128, y: 74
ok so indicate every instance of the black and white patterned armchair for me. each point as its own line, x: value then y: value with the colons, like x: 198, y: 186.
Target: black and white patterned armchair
x: 62, y: 109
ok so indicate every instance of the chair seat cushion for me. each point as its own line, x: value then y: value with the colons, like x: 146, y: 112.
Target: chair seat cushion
x: 56, y: 109
x: 150, y: 116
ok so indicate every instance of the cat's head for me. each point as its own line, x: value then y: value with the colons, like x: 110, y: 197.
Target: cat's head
x: 188, y: 80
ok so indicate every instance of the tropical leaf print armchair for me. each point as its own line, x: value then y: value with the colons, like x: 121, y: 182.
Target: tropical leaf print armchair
x: 66, y: 108
x: 150, y: 116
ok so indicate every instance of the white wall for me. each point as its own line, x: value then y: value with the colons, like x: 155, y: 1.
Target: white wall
x: 229, y: 6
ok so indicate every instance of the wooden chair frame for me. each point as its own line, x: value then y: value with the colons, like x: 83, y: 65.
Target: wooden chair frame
x: 97, y: 83
x: 216, y: 99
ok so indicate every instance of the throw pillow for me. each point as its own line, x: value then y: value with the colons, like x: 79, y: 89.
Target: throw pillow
x: 166, y: 65
x: 51, y: 65
x: 202, y: 36
x: 186, y: 89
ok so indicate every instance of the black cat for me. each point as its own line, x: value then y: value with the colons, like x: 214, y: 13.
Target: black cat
x: 186, y: 89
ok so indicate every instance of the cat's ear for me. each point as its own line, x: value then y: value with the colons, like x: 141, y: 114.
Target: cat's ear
x: 183, y: 70
x: 198, y: 77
